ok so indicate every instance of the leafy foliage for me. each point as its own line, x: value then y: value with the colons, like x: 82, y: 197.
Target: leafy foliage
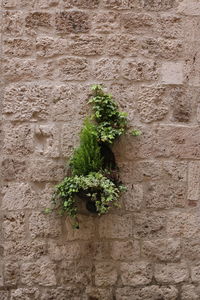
x: 111, y: 123
x: 87, y: 157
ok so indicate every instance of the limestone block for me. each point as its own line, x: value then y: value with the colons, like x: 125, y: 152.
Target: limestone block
x: 18, y: 139
x: 13, y: 23
x: 105, y: 274
x: 70, y: 138
x: 178, y: 141
x: 9, y: 3
x: 18, y: 196
x: 140, y: 70
x: 13, y: 168
x: 189, y: 7
x: 4, y: 295
x: 41, y: 225
x: 47, y: 140
x: 38, y: 21
x: 86, y: 230
x: 114, y: 226
x: 172, y: 73
x: 162, y: 250
x: 132, y: 22
x: 181, y: 102
x: 170, y: 26
x: 171, y: 273
x: 72, y: 22
x: 152, y: 104
x: 195, y: 273
x: 42, y: 170
x: 147, y: 293
x: 40, y: 272
x: 183, y: 224
x: 125, y: 250
x: 11, y: 273
x: 149, y: 225
x: 175, y: 170
x: 191, y: 248
x: 133, y: 197
x: 101, y: 293
x: 136, y: 274
x: 189, y: 292
x: 81, y: 3
x: 68, y: 251
x: 193, y: 181
x: 106, y: 69
x: 157, y: 5
x: 23, y: 102
x: 25, y: 294
x: 105, y: 22
x: 49, y: 47
x: 14, y: 226
x: 62, y: 292
x: 121, y: 4
x: 73, y: 68
x: 87, y: 45
x: 46, y: 3
x: 18, y: 47
x: 165, y: 195
x: 123, y: 45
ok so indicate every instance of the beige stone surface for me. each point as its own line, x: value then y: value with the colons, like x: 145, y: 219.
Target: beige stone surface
x: 146, y: 53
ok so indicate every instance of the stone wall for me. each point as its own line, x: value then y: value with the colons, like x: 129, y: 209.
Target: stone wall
x: 147, y: 53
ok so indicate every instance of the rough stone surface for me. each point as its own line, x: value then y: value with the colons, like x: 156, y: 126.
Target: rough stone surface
x: 146, y: 54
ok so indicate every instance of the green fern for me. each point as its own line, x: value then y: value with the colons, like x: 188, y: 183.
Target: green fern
x: 87, y: 157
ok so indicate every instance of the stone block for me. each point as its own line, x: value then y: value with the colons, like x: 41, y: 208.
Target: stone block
x: 50, y: 47
x: 182, y: 224
x: 9, y: 3
x: 140, y: 70
x: 170, y: 26
x: 42, y: 170
x: 99, y: 293
x: 23, y: 102
x: 152, y: 104
x: 136, y: 274
x: 175, y: 170
x: 162, y: 250
x: 72, y: 22
x: 41, y: 272
x: 42, y: 226
x: 121, y: 4
x: 123, y: 45
x: 189, y: 8
x: 190, y: 292
x: 18, y: 47
x: 125, y: 250
x: 81, y: 3
x: 165, y: 195
x: 73, y: 68
x: 105, y: 274
x: 87, y: 45
x: 105, y: 22
x: 4, y: 295
x: 171, y: 273
x: 14, y: 226
x: 114, y: 226
x: 107, y: 69
x: 18, y: 139
x: 133, y: 197
x: 139, y: 23
x: 157, y: 5
x: 149, y: 225
x: 172, y: 73
x: 38, y: 21
x: 86, y: 229
x: 11, y: 273
x: 18, y: 196
x: 61, y: 292
x: 70, y: 138
x: 68, y: 251
x: 25, y: 294
x: 191, y: 248
x: 13, y: 168
x: 13, y: 23
x: 47, y: 140
x: 193, y: 181
x: 195, y: 273
x: 181, y: 102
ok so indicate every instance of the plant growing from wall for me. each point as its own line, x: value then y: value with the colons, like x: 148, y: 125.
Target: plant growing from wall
x: 94, y: 173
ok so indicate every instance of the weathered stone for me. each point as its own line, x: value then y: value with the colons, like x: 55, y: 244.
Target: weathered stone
x: 85, y: 232
x: 14, y: 226
x: 190, y: 8
x: 107, y: 69
x: 181, y: 105
x: 170, y: 26
x: 25, y: 294
x: 46, y: 170
x: 165, y: 195
x: 162, y: 249
x: 133, y: 197
x: 140, y: 70
x: 189, y: 292
x: 105, y: 22
x: 157, y: 5
x: 182, y: 224
x: 132, y: 22
x: 4, y: 295
x: 195, y: 273
x: 50, y: 47
x: 18, y: 47
x: 18, y: 196
x: 175, y: 170
x: 9, y: 3
x: 114, y: 226
x: 87, y: 45
x: 148, y: 225
x: 26, y: 102
x: 171, y: 273
x: 13, y: 168
x: 72, y: 22
x: 38, y: 20
x: 193, y: 181
x: 121, y: 4
x: 135, y: 274
x: 41, y: 225
x: 13, y: 23
x: 125, y: 250
x: 172, y: 73
x: 125, y: 45
x: 99, y: 293
x: 191, y: 248
x: 73, y: 68
x: 82, y: 3
x: 152, y: 104
x: 105, y: 274
x: 61, y: 292
x: 11, y: 273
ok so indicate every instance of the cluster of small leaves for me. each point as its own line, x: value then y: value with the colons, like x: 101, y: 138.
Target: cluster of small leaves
x: 101, y: 190
x: 111, y: 123
x: 87, y: 157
